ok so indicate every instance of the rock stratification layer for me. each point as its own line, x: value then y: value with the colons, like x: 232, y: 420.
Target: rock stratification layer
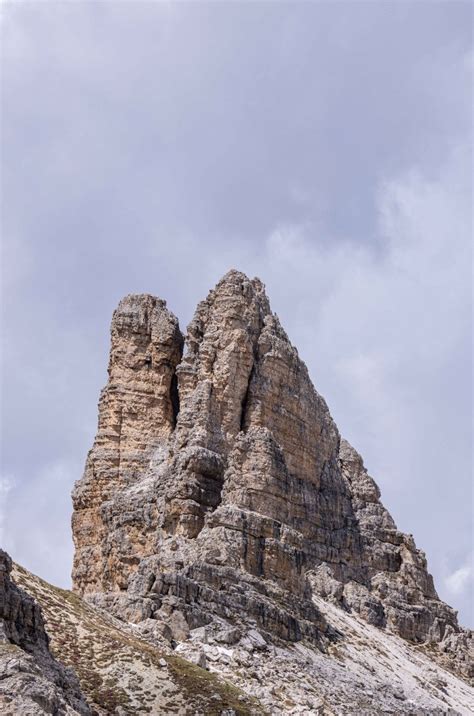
x: 218, y: 488
x: 137, y: 414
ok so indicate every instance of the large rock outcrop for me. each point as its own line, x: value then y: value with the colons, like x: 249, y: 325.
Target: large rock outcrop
x: 120, y: 674
x: 32, y: 681
x: 218, y: 487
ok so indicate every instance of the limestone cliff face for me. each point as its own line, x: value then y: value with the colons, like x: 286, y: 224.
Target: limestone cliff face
x: 218, y: 487
x: 137, y: 413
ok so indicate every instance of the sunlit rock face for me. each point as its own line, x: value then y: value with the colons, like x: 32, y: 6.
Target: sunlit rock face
x: 113, y: 527
x: 218, y: 487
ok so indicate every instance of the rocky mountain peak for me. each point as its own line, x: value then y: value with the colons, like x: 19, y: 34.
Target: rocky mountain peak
x: 219, y: 490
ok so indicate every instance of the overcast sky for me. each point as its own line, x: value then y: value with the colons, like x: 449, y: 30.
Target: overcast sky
x: 325, y: 147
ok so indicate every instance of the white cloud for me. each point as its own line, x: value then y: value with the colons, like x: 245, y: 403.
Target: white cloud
x: 459, y: 580
x: 380, y: 323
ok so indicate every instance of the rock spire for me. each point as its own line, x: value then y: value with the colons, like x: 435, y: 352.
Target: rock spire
x: 218, y: 487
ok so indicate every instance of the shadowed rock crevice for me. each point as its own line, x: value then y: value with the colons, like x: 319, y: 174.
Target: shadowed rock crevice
x: 245, y: 399
x: 174, y: 397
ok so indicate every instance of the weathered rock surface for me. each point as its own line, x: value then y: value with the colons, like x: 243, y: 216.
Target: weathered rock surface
x: 218, y: 487
x: 137, y: 414
x: 119, y: 672
x: 32, y: 681
x: 367, y: 672
x: 123, y: 672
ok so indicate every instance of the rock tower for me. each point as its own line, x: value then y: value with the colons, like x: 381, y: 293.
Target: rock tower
x: 218, y: 487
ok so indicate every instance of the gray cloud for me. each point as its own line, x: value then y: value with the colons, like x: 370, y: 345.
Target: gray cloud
x: 322, y: 146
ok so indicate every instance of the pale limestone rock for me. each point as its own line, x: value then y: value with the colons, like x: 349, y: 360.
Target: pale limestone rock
x: 120, y: 673
x: 244, y: 506
x: 137, y: 412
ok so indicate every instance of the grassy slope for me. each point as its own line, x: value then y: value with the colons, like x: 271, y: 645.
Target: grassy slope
x: 120, y: 673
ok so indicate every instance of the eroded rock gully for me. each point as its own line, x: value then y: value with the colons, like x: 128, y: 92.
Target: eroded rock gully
x: 218, y: 487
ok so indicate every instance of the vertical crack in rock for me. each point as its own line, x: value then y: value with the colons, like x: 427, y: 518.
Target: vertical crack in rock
x: 241, y: 501
x: 245, y: 399
x: 174, y: 395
